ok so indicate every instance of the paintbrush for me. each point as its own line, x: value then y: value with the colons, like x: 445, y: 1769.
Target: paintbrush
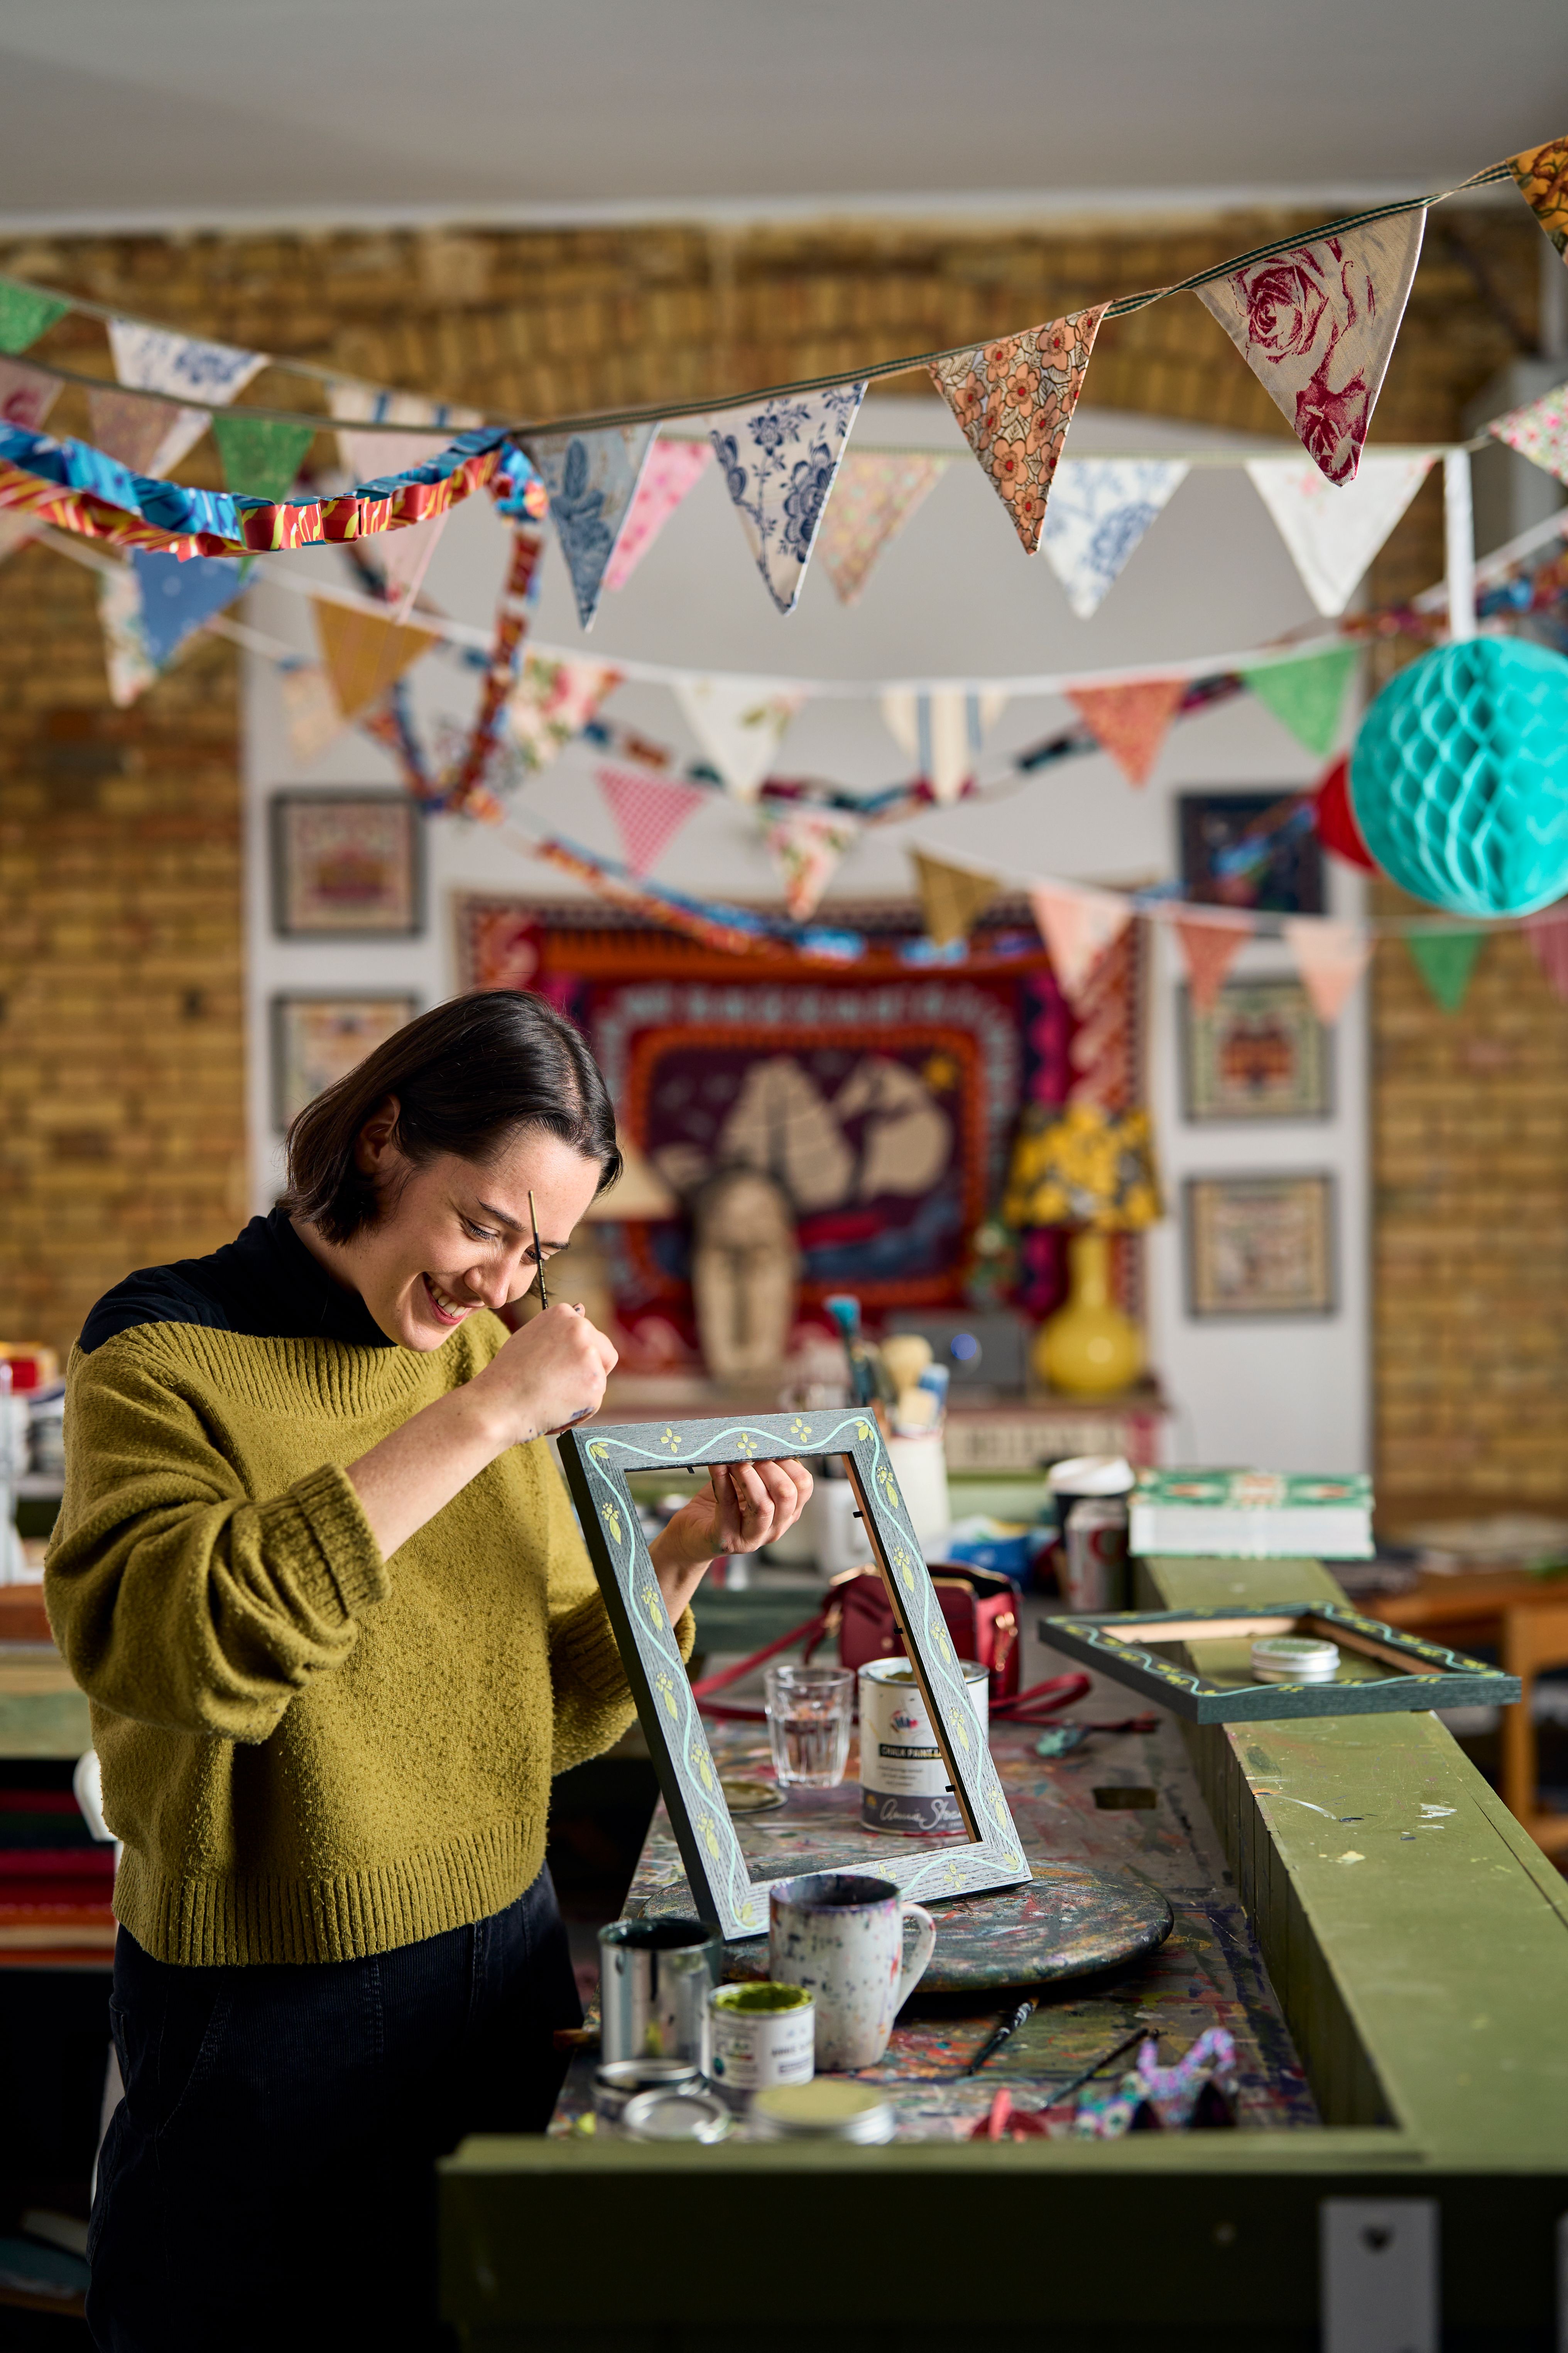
x: 994, y: 2041
x: 538, y: 1253
x: 1065, y: 2091
x: 845, y: 1309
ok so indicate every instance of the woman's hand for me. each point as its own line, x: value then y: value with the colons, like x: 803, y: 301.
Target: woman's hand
x: 549, y: 1373
x: 747, y: 1505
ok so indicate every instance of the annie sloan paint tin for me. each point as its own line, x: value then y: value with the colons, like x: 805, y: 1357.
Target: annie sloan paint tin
x: 904, y: 1782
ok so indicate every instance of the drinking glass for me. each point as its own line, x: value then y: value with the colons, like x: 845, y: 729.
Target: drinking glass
x: 808, y: 1724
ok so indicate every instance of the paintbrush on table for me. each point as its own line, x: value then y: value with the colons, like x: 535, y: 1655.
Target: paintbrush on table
x: 993, y: 2040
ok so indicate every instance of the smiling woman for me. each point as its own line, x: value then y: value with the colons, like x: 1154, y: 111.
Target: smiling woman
x: 318, y: 1575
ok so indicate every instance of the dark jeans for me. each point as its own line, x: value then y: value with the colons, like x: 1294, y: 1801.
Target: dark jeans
x: 269, y: 2178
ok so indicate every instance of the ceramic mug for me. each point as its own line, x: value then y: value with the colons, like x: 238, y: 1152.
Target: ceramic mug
x: 841, y: 1935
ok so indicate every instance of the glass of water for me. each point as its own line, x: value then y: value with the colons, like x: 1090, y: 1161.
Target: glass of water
x: 809, y: 1711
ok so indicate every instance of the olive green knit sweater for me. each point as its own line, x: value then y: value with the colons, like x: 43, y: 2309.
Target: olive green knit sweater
x: 310, y: 1753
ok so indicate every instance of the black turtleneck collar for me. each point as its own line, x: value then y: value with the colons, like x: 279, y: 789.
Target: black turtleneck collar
x: 265, y: 1284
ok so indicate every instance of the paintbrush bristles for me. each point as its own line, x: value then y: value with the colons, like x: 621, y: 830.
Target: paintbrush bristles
x: 538, y: 1253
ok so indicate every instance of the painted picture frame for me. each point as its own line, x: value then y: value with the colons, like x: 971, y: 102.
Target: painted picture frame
x: 1258, y: 1052
x: 1127, y: 1646
x: 1286, y: 878
x: 317, y: 1039
x: 347, y: 866
x: 1259, y: 1245
x: 598, y: 1461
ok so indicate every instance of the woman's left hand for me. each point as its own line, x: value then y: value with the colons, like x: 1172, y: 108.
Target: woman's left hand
x: 746, y: 1505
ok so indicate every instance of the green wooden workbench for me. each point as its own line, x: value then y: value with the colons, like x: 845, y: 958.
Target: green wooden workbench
x: 1417, y: 1942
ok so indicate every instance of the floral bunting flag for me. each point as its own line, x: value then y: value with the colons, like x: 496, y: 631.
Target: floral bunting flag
x: 739, y: 724
x: 375, y: 457
x: 1539, y: 431
x: 877, y: 492
x: 1131, y: 722
x: 672, y: 468
x: 942, y: 733
x: 1333, y: 531
x: 178, y: 597
x: 779, y: 462
x: 1331, y: 957
x: 1548, y: 936
x: 553, y: 700
x: 26, y: 315
x: 1446, y: 961
x: 1014, y: 400
x: 261, y: 456
x: 1078, y: 924
x: 405, y: 559
x: 310, y: 709
x: 592, y: 478
x: 1209, y: 945
x: 135, y: 432
x: 1306, y: 696
x: 155, y: 360
x: 1099, y: 510
x: 131, y: 670
x: 1317, y: 326
x: 27, y: 395
x: 648, y: 813
x: 1542, y: 174
x: 364, y: 654
x: 952, y: 898
x: 806, y: 847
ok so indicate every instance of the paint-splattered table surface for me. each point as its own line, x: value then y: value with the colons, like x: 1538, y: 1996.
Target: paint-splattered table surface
x: 1124, y: 1804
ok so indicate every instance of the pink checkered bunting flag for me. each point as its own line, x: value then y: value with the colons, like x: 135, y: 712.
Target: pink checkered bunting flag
x: 648, y: 813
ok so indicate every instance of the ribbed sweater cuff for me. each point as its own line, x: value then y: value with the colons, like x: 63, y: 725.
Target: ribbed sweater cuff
x: 323, y: 1530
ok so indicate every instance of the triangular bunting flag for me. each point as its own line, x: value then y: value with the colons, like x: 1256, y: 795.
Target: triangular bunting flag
x: 1208, y: 949
x: 26, y: 315
x: 1078, y: 925
x: 261, y: 456
x: 16, y: 531
x: 134, y: 431
x: 131, y: 670
x: 877, y: 492
x: 1099, y: 512
x: 592, y: 478
x: 1014, y: 400
x: 1131, y: 722
x: 553, y: 700
x: 1548, y: 937
x: 739, y: 724
x: 1317, y: 325
x: 27, y: 395
x: 806, y: 848
x: 1334, y: 530
x: 376, y: 457
x: 672, y: 468
x: 310, y: 709
x: 952, y: 899
x: 1542, y: 176
x: 177, y: 597
x: 1539, y: 431
x: 1331, y: 957
x: 648, y: 813
x: 404, y: 555
x: 364, y: 654
x: 155, y: 360
x: 1446, y: 961
x: 1306, y: 696
x: 942, y: 733
x: 778, y: 463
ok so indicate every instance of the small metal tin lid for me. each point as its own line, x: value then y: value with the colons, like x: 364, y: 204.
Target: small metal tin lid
x: 632, y: 2076
x: 687, y: 2113
x: 899, y: 1671
x: 824, y: 2109
x: 1295, y: 1659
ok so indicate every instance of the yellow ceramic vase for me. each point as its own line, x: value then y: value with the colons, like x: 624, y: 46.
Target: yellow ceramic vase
x: 1089, y: 1349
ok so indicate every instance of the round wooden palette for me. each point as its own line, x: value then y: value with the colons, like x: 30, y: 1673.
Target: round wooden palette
x: 1070, y: 1922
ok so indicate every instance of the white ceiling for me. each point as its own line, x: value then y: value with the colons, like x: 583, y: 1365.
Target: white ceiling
x: 163, y: 112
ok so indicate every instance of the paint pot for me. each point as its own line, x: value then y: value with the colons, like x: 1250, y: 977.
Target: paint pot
x: 823, y: 2110
x: 904, y: 1784
x: 1295, y: 1659
x: 655, y: 1978
x: 1094, y: 1554
x: 691, y: 2114
x: 762, y: 2034
x: 620, y: 2080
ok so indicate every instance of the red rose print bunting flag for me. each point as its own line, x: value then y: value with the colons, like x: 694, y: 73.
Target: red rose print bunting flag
x: 1209, y: 945
x: 649, y: 814
x: 1015, y: 400
x: 1131, y: 722
x: 1542, y: 176
x: 1317, y: 327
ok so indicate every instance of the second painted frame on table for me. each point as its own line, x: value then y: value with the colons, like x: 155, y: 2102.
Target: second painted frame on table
x: 598, y: 1461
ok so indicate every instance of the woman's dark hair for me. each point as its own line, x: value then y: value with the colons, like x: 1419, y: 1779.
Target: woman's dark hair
x: 468, y: 1076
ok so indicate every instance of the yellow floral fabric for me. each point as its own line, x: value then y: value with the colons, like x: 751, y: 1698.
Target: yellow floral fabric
x: 1542, y: 176
x: 1082, y: 1167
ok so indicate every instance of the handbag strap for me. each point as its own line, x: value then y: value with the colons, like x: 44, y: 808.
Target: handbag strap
x: 809, y: 1631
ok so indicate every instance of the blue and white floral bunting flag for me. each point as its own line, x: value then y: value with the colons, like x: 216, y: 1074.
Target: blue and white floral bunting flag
x: 155, y: 360
x: 592, y: 478
x: 1099, y: 510
x: 779, y: 461
x: 149, y: 607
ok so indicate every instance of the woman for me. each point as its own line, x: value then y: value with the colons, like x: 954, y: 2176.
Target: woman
x: 319, y: 1576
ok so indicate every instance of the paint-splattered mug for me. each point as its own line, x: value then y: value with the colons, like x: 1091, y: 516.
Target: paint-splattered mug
x: 842, y: 1934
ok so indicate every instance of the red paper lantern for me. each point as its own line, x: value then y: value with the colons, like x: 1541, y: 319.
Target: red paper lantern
x: 1337, y: 827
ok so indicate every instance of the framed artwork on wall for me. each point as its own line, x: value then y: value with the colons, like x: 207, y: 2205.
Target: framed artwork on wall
x: 1261, y: 1245
x: 347, y: 866
x: 1286, y: 879
x: 317, y: 1039
x: 1258, y: 1052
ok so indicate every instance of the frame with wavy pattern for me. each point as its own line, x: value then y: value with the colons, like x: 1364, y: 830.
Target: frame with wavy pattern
x: 598, y: 1461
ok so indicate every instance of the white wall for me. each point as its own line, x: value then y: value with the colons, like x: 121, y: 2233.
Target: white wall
x: 955, y: 594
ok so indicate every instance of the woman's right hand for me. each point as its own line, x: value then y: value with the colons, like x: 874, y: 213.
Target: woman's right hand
x: 549, y: 1374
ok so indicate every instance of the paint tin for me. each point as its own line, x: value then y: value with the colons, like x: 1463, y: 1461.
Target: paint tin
x: 1094, y: 1571
x: 762, y: 2034
x: 828, y: 2109
x: 620, y: 2080
x: 1295, y: 1659
x: 654, y: 1977
x: 904, y: 1783
x: 688, y: 2114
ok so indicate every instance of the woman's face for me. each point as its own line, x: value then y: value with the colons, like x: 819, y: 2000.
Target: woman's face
x: 455, y: 1235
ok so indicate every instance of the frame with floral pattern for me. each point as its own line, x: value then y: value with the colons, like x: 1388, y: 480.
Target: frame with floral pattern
x: 598, y: 1461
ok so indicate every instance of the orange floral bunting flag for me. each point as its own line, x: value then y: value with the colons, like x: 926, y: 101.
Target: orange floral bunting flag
x: 1015, y: 400
x: 1542, y: 176
x: 1131, y: 722
x: 1208, y: 950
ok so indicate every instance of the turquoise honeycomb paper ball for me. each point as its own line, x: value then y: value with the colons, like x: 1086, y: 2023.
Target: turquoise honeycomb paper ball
x: 1459, y: 779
